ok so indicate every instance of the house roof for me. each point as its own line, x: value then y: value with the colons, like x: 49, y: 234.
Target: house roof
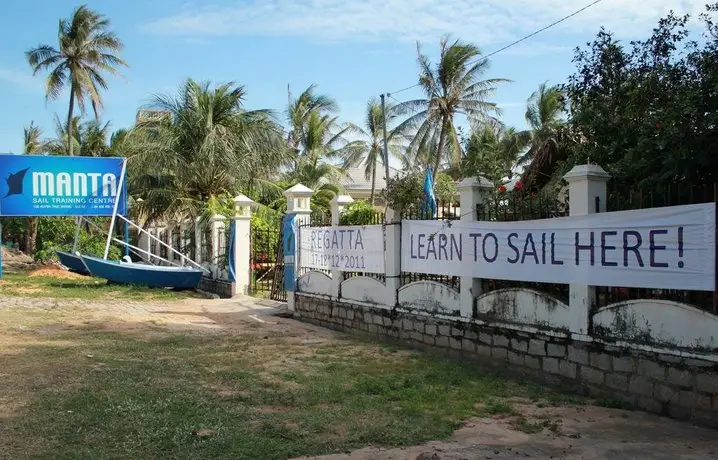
x: 356, y: 180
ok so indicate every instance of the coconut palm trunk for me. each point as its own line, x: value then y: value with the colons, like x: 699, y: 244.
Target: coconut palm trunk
x: 373, y: 183
x: 439, y: 150
x: 70, y: 110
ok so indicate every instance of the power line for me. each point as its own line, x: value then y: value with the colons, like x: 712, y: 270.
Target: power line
x: 581, y: 10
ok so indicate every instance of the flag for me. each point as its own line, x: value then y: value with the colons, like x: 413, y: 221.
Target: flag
x: 429, y: 200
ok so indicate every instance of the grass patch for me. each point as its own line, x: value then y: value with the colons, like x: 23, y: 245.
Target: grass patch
x: 95, y: 394
x: 22, y: 285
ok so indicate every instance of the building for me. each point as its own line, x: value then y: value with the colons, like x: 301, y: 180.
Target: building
x: 358, y: 186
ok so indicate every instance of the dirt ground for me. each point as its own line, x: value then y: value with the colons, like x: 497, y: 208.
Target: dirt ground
x: 563, y: 432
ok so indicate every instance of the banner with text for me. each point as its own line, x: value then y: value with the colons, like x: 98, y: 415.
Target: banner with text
x: 60, y: 186
x: 348, y: 249
x: 663, y: 248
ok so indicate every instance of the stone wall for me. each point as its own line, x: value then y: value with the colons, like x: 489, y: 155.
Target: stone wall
x: 224, y: 289
x: 667, y: 383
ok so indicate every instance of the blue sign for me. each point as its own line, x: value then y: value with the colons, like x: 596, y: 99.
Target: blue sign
x: 289, y: 242
x: 60, y: 186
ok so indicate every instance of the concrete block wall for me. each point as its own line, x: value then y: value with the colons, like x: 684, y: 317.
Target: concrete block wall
x: 665, y: 383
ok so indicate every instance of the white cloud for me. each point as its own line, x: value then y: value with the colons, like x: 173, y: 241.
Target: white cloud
x: 492, y: 22
x: 23, y: 80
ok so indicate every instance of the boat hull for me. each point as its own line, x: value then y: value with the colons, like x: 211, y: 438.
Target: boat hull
x: 143, y: 275
x: 72, y: 262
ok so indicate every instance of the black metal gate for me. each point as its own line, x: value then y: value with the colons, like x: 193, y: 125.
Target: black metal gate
x: 267, y: 262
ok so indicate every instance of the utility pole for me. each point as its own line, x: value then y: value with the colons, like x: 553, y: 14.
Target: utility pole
x: 386, y: 147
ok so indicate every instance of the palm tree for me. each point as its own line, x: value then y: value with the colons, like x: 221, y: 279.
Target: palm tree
x: 93, y: 139
x: 451, y: 88
x: 547, y: 132
x: 371, y: 152
x: 33, y: 144
x: 86, y: 47
x: 492, y: 151
x: 208, y: 147
x: 299, y: 110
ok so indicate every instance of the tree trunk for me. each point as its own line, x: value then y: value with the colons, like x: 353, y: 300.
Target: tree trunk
x: 30, y: 235
x: 69, y: 120
x: 440, y: 149
x: 373, y: 183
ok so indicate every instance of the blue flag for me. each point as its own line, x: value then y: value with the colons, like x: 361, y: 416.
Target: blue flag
x: 429, y: 200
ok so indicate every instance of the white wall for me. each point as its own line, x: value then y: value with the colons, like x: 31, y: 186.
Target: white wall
x: 525, y: 306
x: 660, y: 322
x: 429, y: 296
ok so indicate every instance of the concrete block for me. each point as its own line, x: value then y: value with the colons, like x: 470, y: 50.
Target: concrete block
x: 519, y: 345
x: 407, y: 324
x: 555, y: 351
x: 532, y: 363
x: 387, y: 321
x: 419, y: 325
x: 651, y: 369
x: 567, y: 369
x: 550, y: 365
x: 501, y: 341
x: 373, y: 328
x: 641, y: 386
x: 469, y: 334
x: 699, y: 363
x: 500, y: 353
x: 680, y: 377
x: 649, y: 404
x: 417, y: 336
x: 484, y: 350
x: 537, y: 347
x: 577, y: 355
x: 454, y: 344
x: 617, y: 381
x: 591, y: 376
x: 516, y: 358
x: 442, y: 341
x: 666, y: 393
x: 707, y: 383
x: 340, y: 313
x: 456, y: 332
x: 444, y: 330
x: 468, y: 345
x: 429, y: 339
x: 694, y: 400
x: 430, y: 329
x: 624, y: 364
x: 485, y: 338
x: 670, y: 359
x: 601, y: 361
x: 679, y: 412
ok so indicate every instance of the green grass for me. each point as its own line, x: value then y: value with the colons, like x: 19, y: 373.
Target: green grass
x: 96, y: 394
x: 17, y: 284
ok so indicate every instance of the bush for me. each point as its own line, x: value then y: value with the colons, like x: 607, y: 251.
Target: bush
x: 359, y: 212
x: 58, y: 233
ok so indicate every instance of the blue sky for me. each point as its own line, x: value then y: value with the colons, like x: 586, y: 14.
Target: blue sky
x: 353, y: 50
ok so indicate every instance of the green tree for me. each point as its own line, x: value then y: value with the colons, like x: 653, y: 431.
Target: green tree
x: 208, y: 147
x: 85, y: 51
x: 452, y: 87
x: 646, y: 111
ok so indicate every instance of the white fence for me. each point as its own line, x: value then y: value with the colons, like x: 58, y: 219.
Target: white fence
x: 667, y: 248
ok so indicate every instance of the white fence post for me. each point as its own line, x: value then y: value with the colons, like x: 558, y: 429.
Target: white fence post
x: 242, y: 226
x: 586, y: 193
x: 298, y: 204
x: 197, y: 241
x: 392, y: 253
x: 338, y: 203
x: 471, y: 193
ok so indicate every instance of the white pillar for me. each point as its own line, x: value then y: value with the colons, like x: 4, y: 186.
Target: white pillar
x: 242, y: 227
x: 170, y: 230
x: 586, y: 184
x: 338, y: 204
x: 299, y: 205
x: 143, y: 242
x: 472, y: 191
x: 392, y: 253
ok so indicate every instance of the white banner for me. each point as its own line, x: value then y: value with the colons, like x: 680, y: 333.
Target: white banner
x: 663, y: 248
x: 348, y: 249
